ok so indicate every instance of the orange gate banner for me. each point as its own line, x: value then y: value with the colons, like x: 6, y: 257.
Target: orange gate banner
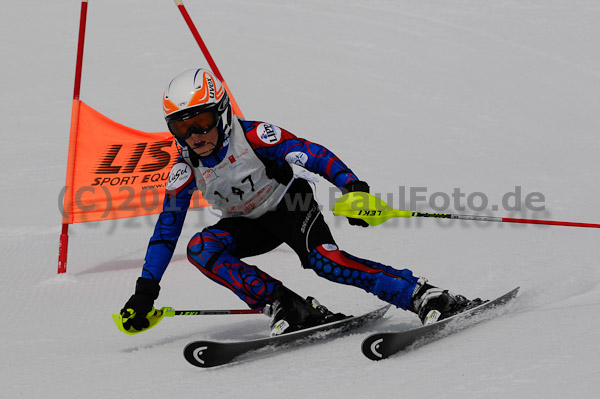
x: 115, y: 171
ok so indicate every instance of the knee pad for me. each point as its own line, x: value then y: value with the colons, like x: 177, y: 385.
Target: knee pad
x: 205, y: 247
x: 210, y: 252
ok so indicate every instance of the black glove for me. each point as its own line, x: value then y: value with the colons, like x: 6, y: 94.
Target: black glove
x: 140, y: 304
x: 356, y: 186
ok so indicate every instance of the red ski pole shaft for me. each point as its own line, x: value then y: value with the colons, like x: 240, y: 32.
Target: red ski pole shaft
x: 551, y: 222
x: 504, y: 220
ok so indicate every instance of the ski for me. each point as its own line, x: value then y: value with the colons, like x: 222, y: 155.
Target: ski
x: 382, y: 345
x: 214, y: 353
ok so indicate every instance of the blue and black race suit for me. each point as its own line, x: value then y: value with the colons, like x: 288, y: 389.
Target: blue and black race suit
x: 296, y: 220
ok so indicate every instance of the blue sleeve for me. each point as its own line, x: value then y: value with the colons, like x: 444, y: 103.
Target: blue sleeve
x: 168, y: 228
x: 277, y: 144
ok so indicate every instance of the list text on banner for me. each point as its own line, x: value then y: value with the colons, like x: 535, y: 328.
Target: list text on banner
x: 118, y: 172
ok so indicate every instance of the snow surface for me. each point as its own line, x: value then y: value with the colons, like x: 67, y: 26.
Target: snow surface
x: 477, y: 95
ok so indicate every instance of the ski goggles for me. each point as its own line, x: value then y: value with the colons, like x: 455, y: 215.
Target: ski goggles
x: 199, y: 122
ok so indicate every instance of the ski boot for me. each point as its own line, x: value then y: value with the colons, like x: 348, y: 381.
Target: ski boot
x: 290, y: 312
x: 433, y: 304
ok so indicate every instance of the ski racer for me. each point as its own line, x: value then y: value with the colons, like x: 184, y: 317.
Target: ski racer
x: 243, y: 169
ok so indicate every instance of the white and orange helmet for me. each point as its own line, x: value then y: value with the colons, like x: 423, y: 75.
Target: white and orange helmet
x: 195, y: 91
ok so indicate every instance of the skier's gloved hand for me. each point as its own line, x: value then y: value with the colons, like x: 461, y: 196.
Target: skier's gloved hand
x: 140, y: 305
x: 356, y: 186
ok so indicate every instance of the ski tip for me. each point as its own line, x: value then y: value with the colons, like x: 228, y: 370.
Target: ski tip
x: 372, y: 347
x: 200, y: 354
x: 380, y: 346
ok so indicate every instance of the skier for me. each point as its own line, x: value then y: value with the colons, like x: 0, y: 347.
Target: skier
x: 243, y: 170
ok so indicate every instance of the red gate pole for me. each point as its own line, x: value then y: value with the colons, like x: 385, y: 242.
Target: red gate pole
x: 63, y: 245
x: 211, y: 62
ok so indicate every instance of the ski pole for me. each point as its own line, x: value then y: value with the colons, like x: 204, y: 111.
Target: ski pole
x: 374, y: 211
x: 170, y: 312
x: 156, y: 317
